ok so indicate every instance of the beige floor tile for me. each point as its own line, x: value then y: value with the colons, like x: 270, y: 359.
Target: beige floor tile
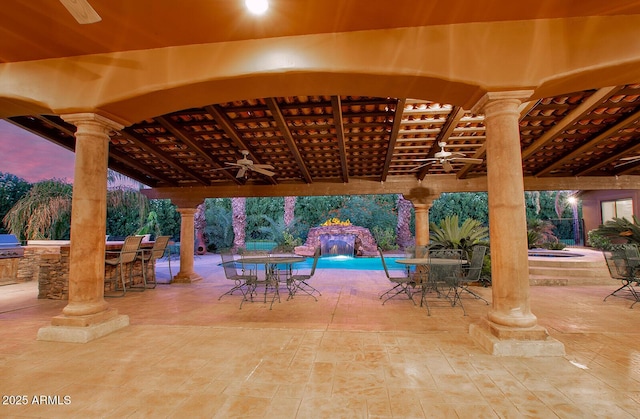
x: 188, y: 354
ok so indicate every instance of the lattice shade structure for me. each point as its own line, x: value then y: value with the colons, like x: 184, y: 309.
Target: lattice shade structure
x: 336, y: 138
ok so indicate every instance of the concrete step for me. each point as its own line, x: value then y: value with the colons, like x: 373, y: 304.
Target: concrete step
x: 588, y: 269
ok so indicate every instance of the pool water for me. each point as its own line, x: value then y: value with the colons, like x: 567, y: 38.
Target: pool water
x: 349, y: 262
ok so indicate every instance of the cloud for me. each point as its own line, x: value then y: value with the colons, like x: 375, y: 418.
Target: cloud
x: 31, y: 157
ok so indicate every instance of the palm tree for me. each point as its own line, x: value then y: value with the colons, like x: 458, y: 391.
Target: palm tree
x: 239, y: 211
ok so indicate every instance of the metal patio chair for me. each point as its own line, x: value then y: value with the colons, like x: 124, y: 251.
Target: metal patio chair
x: 619, y: 269
x: 401, y: 284
x: 244, y: 281
x: 298, y: 282
x: 471, y: 273
x: 124, y: 258
x: 445, y: 267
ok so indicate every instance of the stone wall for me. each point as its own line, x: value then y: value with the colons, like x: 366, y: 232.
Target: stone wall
x: 49, y: 265
x: 365, y: 244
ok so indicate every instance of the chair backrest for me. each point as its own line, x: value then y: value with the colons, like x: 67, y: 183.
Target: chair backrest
x: 316, y: 256
x: 475, y: 266
x: 159, y: 247
x: 384, y: 264
x: 439, y: 272
x: 229, y: 264
x: 130, y: 248
x: 617, y: 264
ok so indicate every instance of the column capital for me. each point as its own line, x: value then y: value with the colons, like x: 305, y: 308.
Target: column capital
x: 421, y: 196
x: 186, y: 211
x: 518, y: 96
x: 92, y: 119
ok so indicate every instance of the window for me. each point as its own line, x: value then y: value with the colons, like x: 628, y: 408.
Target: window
x: 621, y: 208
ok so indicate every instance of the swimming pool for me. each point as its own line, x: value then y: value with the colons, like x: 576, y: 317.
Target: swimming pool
x: 349, y: 262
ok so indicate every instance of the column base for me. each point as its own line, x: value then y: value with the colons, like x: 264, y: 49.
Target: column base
x: 505, y: 341
x: 83, y: 329
x: 186, y: 278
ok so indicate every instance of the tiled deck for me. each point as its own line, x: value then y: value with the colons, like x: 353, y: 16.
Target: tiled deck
x: 186, y: 354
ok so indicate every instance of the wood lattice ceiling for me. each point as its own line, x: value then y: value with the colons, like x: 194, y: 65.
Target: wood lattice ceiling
x: 311, y: 139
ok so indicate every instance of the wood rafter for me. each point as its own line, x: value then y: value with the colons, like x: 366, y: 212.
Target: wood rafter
x: 592, y: 143
x: 393, y: 138
x: 177, y: 132
x: 454, y: 117
x: 338, y: 122
x: 284, y: 130
x: 155, y: 150
x: 579, y: 112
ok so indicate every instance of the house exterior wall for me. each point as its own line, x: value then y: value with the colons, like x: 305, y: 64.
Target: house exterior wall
x: 592, y: 209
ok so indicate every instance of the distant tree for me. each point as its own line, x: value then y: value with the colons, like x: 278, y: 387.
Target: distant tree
x: 43, y: 213
x: 12, y: 188
x: 463, y: 204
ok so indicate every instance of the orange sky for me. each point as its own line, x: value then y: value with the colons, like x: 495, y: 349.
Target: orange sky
x: 31, y: 157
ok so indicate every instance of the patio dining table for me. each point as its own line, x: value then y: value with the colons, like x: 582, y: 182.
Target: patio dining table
x: 426, y: 263
x: 273, y: 271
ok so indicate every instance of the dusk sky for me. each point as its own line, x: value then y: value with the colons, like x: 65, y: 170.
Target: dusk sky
x: 31, y: 157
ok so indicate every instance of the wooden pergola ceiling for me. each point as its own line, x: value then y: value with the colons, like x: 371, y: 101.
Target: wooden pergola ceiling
x: 311, y: 139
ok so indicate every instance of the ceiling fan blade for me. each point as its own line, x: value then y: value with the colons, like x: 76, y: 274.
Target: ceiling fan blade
x: 241, y: 172
x: 467, y: 160
x: 82, y: 11
x: 631, y: 158
x: 262, y: 171
x: 431, y: 159
x: 447, y: 166
x: 628, y: 161
x: 421, y: 166
x: 262, y: 166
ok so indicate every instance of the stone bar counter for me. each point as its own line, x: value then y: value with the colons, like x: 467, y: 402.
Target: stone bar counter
x: 47, y: 261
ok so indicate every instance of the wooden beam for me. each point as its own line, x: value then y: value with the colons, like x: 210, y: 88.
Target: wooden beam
x: 435, y: 184
x: 286, y: 134
x: 455, y: 116
x: 393, y: 137
x: 338, y: 122
x: 153, y: 149
x: 177, y: 132
x: 575, y: 114
x: 591, y: 144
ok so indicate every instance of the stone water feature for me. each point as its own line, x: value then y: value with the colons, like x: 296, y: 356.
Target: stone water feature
x: 337, y: 239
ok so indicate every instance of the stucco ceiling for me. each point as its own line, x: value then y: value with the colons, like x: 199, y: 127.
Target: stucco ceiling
x: 334, y: 138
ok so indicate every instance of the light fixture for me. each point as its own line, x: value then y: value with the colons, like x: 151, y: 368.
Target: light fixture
x: 257, y: 7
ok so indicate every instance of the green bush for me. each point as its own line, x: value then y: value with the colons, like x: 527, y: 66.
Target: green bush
x: 597, y: 241
x: 385, y: 237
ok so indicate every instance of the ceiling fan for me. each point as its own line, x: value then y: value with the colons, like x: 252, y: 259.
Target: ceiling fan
x: 246, y: 165
x: 82, y: 11
x: 628, y: 160
x: 445, y: 158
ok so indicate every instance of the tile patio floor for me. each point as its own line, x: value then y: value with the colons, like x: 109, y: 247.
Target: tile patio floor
x: 186, y: 354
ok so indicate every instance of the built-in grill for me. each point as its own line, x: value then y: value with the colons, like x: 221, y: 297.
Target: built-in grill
x: 10, y: 247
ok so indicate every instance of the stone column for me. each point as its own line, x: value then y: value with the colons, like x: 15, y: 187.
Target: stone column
x: 187, y: 237
x: 87, y: 315
x: 422, y: 200
x: 511, y: 328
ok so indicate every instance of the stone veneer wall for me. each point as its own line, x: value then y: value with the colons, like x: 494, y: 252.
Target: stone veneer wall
x: 365, y: 244
x: 49, y: 265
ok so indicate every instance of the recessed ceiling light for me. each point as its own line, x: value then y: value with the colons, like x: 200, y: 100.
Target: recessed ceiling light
x: 257, y: 7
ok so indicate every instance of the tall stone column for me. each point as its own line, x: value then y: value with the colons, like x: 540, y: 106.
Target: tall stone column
x: 87, y: 315
x: 187, y: 237
x: 511, y: 328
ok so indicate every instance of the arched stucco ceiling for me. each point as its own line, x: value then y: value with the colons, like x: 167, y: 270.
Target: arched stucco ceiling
x: 330, y: 93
